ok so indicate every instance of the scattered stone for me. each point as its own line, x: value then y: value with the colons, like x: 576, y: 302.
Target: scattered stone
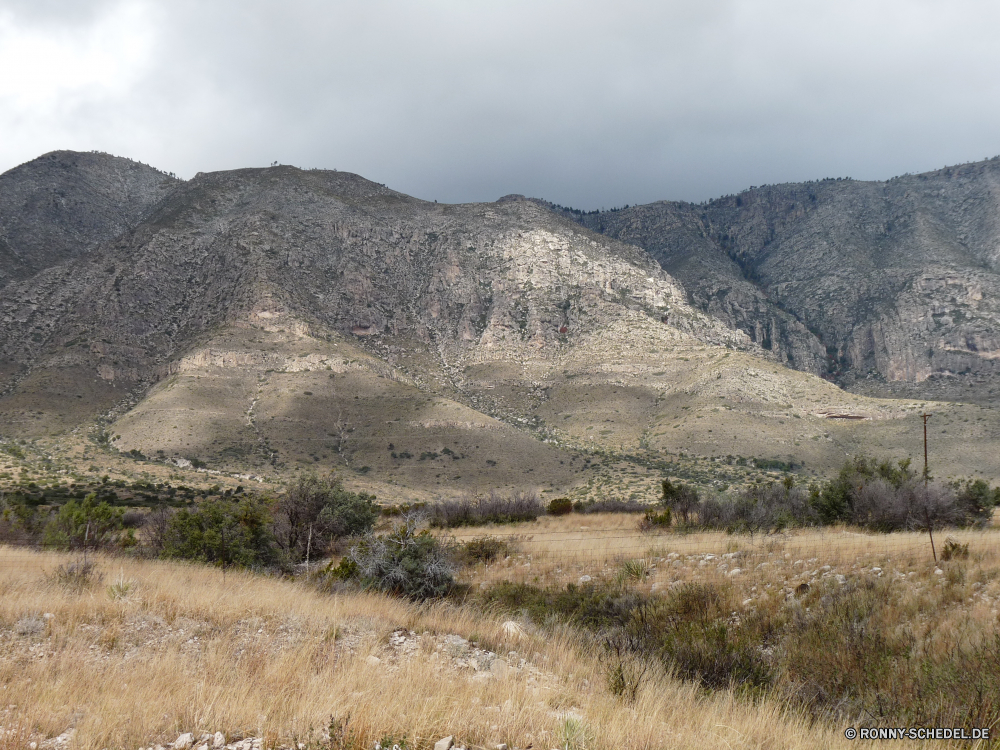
x: 373, y: 661
x: 938, y: 572
x: 502, y: 746
x: 184, y: 742
x: 219, y: 740
x: 585, y: 579
x: 444, y: 743
x: 499, y: 667
x: 734, y: 572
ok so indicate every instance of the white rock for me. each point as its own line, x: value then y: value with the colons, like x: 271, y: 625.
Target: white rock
x: 502, y: 746
x: 184, y: 742
x: 584, y: 579
x: 734, y: 572
x: 373, y: 661
x: 841, y: 579
x: 203, y: 746
x: 444, y: 743
x: 499, y: 667
x: 938, y: 572
x: 218, y: 740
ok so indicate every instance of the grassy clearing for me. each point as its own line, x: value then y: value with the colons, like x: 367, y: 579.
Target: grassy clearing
x: 156, y: 649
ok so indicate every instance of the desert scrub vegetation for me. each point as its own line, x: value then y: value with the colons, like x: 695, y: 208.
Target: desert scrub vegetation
x: 193, y: 648
x: 224, y: 528
x: 407, y: 562
x: 871, y: 494
x: 494, y: 507
x: 867, y: 650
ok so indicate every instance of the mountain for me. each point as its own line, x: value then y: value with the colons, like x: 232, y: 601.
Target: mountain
x: 275, y: 320
x: 885, y: 286
x: 65, y: 203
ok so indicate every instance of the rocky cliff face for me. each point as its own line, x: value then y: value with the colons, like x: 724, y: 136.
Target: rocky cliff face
x: 896, y: 280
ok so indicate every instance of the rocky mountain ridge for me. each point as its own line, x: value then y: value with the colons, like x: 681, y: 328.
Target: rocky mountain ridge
x: 281, y: 319
x: 896, y: 280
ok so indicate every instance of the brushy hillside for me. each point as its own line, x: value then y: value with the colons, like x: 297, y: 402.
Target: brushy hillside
x: 156, y: 650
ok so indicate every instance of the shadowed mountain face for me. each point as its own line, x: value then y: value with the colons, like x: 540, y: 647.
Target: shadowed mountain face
x: 65, y: 203
x: 893, y: 281
x: 273, y: 319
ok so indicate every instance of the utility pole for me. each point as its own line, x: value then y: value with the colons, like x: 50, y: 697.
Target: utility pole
x: 927, y: 475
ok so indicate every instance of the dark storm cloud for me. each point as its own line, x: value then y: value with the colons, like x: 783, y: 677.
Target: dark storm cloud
x: 586, y: 103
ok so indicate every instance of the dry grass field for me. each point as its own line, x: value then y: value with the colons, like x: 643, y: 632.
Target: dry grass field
x: 157, y: 649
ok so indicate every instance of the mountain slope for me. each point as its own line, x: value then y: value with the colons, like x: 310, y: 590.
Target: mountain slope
x: 895, y: 280
x: 269, y: 320
x: 64, y: 203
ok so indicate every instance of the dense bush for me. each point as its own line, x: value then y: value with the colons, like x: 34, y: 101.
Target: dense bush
x: 611, y: 506
x: 87, y: 523
x: 485, y: 549
x: 771, y: 507
x: 841, y: 651
x: 494, y: 508
x: 874, y: 494
x: 681, y: 499
x: 19, y: 522
x: 656, y: 521
x: 406, y: 562
x: 320, y: 510
x: 222, y: 531
x: 560, y: 506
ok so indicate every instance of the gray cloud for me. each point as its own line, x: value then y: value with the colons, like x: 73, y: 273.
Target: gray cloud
x: 586, y: 103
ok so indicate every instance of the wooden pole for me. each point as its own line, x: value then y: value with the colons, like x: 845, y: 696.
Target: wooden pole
x: 308, y: 549
x: 927, y: 513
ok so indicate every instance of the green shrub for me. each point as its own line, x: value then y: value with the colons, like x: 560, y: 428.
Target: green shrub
x: 679, y: 498
x: 653, y: 521
x: 222, y: 532
x: 485, y: 549
x: 87, y: 523
x: 953, y: 550
x: 407, y: 562
x: 560, y: 506
x: 314, y: 512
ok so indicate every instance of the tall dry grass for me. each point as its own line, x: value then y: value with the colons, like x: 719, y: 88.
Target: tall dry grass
x: 157, y: 649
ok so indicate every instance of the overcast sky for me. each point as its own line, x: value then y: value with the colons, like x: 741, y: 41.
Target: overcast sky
x: 589, y: 104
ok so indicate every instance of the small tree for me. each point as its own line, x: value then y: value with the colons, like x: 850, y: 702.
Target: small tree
x: 680, y: 498
x: 324, y: 507
x: 222, y: 532
x: 87, y: 522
